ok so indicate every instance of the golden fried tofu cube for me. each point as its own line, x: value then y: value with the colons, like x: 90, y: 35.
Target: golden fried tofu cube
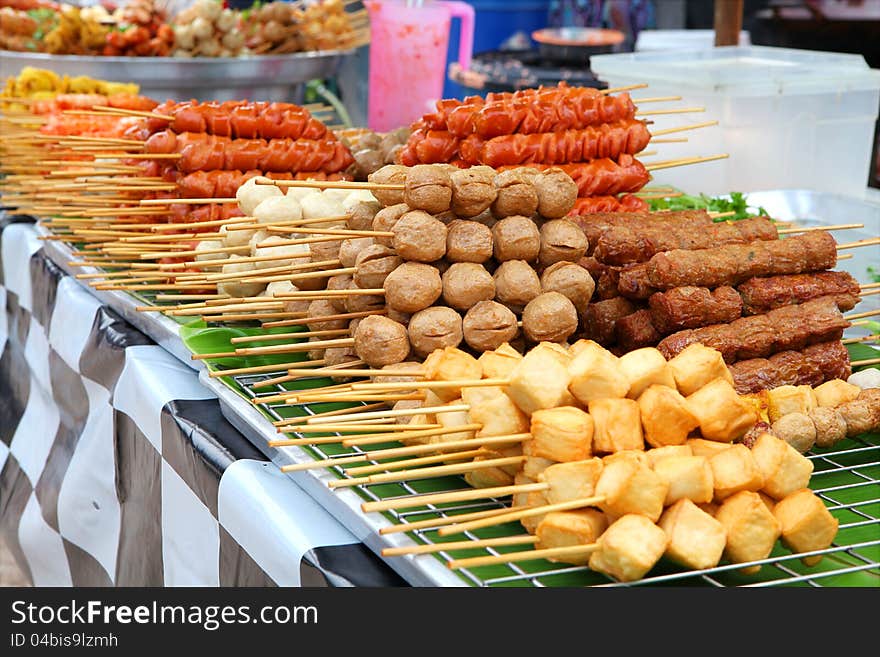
x: 451, y: 364
x: 499, y: 417
x: 806, y: 524
x: 629, y: 548
x: 688, y: 477
x: 565, y: 528
x: 561, y: 434
x: 539, y: 381
x: 579, y: 346
x: 571, y: 481
x: 476, y: 395
x: 761, y: 402
x: 696, y: 539
x: 659, y: 453
x: 595, y: 374
x: 618, y: 425
x: 723, y: 415
x: 417, y: 421
x: 697, y: 365
x: 637, y: 456
x: 751, y: 529
x: 452, y: 420
x: 790, y: 399
x: 666, y: 417
x: 629, y: 487
x: 534, y: 499
x: 534, y: 465
x: 835, y: 392
x: 785, y: 470
x: 556, y: 350
x: 488, y: 477
x: 520, y: 498
x: 645, y: 367
x: 504, y: 452
x: 707, y: 448
x: 498, y: 365
x: 735, y: 470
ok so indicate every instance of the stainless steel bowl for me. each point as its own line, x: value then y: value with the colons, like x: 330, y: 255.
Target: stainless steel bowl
x: 258, y: 77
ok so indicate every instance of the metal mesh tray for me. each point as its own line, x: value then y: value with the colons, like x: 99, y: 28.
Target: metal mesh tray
x: 847, y: 478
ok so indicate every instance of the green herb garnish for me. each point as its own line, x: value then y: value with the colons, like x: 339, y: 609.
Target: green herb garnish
x: 736, y: 203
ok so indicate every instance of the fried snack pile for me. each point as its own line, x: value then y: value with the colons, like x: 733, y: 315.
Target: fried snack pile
x: 281, y: 27
x: 667, y: 458
x: 75, y: 34
x: 143, y: 31
x: 40, y: 83
x: 206, y: 29
x: 19, y: 30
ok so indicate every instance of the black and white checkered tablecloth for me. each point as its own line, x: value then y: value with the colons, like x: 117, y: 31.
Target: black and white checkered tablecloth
x: 117, y: 466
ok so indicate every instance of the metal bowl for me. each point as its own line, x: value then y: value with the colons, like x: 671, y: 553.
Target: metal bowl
x: 263, y: 77
x: 576, y: 44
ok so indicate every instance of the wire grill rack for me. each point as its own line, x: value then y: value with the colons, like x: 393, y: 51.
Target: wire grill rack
x: 846, y: 478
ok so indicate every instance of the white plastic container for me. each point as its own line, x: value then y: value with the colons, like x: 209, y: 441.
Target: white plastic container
x: 678, y: 39
x: 788, y: 118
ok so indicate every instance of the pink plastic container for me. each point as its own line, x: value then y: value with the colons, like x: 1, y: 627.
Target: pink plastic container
x: 408, y: 57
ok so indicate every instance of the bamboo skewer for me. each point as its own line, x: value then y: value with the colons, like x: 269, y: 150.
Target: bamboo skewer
x: 866, y: 338
x: 402, y: 412
x: 519, y: 514
x: 190, y: 201
x: 694, y: 126
x: 855, y: 245
x: 430, y: 548
x: 440, y: 521
x: 256, y: 369
x: 420, y: 432
x: 388, y: 431
x: 655, y: 99
x: 789, y: 231
x: 325, y: 318
x: 427, y: 473
x: 328, y: 184
x: 684, y: 161
x: 868, y: 361
x: 278, y: 349
x: 415, y: 462
x: 676, y: 110
x: 285, y: 336
x: 867, y: 313
x: 629, y: 87
x: 527, y: 555
x: 410, y: 501
x: 396, y: 452
x: 254, y: 225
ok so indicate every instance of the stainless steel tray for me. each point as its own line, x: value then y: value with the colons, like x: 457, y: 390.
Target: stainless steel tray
x: 342, y: 503
x: 262, y: 77
x: 161, y: 329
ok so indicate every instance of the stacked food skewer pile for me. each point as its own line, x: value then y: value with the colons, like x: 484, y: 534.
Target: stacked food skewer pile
x: 592, y: 135
x: 420, y: 262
